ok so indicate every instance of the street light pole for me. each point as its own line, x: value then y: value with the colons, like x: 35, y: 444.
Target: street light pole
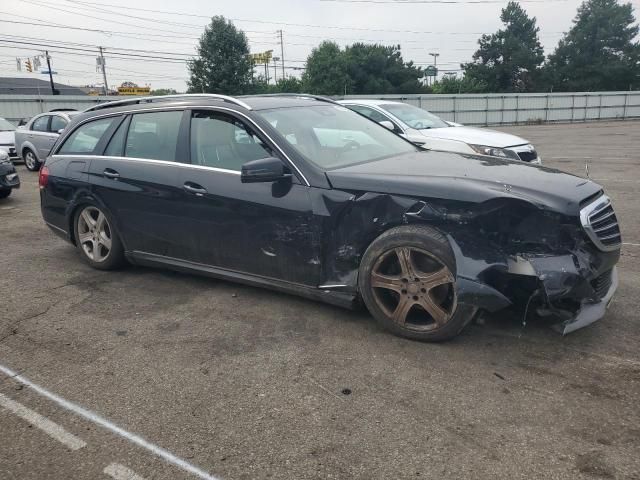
x: 435, y: 64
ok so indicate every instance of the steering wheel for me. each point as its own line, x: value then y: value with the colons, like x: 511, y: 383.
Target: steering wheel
x: 350, y: 145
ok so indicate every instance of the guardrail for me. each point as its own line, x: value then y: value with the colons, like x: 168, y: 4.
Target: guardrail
x: 515, y: 108
x: 469, y: 109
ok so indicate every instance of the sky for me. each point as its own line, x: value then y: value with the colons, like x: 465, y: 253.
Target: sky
x: 148, y: 41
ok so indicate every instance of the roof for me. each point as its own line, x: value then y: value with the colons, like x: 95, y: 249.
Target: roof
x: 34, y: 86
x: 265, y: 102
x: 360, y: 101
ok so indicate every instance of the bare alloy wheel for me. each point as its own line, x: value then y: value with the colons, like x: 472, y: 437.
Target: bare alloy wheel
x: 30, y: 161
x: 413, y: 288
x: 94, y: 234
x: 407, y: 280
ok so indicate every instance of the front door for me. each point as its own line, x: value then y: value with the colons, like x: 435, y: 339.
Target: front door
x: 264, y: 229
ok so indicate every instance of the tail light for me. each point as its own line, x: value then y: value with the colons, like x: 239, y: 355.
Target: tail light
x: 43, y: 178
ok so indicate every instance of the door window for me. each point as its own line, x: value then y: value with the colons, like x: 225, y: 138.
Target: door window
x: 154, y: 135
x: 221, y: 141
x: 40, y: 123
x: 57, y: 123
x: 369, y: 113
x: 85, y: 138
x: 116, y: 144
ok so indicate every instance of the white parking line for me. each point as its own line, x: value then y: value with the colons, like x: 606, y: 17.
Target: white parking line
x: 47, y: 426
x: 120, y: 472
x: 98, y: 420
x: 632, y: 244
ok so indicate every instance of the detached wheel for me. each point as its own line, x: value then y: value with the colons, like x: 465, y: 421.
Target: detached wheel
x: 31, y: 161
x: 97, y: 241
x: 407, y: 281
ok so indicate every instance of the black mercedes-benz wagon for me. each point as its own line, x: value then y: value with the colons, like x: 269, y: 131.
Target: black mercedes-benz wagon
x: 300, y: 194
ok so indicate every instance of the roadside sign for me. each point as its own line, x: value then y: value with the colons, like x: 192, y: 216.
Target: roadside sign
x: 134, y: 90
x: 431, y: 71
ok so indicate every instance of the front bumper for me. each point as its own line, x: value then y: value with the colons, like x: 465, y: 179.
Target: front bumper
x: 590, y: 312
x: 9, y: 178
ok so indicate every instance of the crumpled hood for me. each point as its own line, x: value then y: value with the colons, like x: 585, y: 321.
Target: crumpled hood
x: 466, y: 178
x: 476, y: 136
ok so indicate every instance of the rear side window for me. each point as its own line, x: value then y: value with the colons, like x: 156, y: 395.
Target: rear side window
x: 153, y: 135
x: 85, y: 138
x: 40, y: 124
x: 57, y: 123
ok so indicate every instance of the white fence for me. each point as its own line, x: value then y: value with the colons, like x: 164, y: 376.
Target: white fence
x: 513, y: 108
x: 470, y: 109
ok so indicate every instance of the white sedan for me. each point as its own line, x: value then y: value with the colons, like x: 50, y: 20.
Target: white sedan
x: 424, y: 128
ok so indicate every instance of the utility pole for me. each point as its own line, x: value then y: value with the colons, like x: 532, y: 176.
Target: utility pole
x: 282, y: 52
x: 104, y: 72
x: 275, y: 70
x: 435, y: 64
x: 53, y: 88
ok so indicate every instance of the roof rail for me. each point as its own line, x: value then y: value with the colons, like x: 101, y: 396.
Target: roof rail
x: 167, y: 98
x: 294, y: 95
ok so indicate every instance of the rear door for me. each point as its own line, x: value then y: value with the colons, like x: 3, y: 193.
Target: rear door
x: 40, y: 136
x: 139, y: 179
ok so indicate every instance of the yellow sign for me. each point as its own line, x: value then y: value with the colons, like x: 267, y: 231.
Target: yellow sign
x: 261, y: 58
x: 134, y: 90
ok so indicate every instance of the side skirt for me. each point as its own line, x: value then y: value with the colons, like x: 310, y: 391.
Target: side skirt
x: 341, y: 299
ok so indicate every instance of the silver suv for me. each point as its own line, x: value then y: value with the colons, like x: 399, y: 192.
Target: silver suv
x: 35, y: 139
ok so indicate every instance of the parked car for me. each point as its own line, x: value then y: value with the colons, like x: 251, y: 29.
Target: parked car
x: 424, y: 128
x: 256, y: 190
x: 7, y: 139
x: 35, y: 139
x: 8, y: 177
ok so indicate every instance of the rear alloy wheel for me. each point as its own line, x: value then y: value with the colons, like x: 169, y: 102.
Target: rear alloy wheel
x: 30, y: 161
x: 407, y: 281
x: 96, y: 239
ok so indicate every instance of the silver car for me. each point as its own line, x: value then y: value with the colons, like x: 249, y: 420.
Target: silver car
x: 35, y: 139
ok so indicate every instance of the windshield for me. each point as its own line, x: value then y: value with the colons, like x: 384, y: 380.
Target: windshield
x: 6, y: 126
x: 332, y: 136
x: 415, y: 117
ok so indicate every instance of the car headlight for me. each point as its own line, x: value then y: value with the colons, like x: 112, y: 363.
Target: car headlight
x: 495, y: 152
x: 4, y: 157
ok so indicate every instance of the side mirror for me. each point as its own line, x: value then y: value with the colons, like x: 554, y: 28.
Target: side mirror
x: 60, y: 131
x: 263, y: 170
x: 388, y: 125
x: 453, y: 124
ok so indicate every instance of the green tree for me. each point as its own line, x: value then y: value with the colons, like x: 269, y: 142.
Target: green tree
x: 599, y: 52
x: 326, y: 71
x: 164, y: 91
x: 380, y: 69
x: 222, y: 65
x: 509, y: 60
x: 288, y: 85
x: 452, y: 84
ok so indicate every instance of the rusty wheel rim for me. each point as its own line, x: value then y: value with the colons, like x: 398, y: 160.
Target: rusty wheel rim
x: 413, y: 288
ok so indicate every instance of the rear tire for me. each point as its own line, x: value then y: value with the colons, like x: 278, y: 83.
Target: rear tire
x: 30, y: 160
x: 96, y: 238
x: 407, y: 281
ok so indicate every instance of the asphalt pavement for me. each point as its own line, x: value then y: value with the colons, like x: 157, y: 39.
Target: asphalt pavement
x: 149, y: 374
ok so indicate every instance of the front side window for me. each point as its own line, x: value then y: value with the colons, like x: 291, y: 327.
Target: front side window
x: 153, y: 135
x: 332, y: 136
x: 85, y: 138
x: 221, y: 141
x: 369, y: 113
x: 40, y: 123
x: 57, y: 123
x: 415, y: 117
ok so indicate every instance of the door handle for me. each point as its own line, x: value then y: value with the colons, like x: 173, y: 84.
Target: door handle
x: 112, y: 174
x: 194, y: 188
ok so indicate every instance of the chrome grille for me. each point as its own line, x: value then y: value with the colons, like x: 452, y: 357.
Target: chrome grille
x: 528, y: 156
x: 599, y: 221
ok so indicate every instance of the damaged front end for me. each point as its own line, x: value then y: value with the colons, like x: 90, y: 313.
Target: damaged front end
x: 554, y: 266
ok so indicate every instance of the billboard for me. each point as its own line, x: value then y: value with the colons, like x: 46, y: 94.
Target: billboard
x: 134, y: 90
